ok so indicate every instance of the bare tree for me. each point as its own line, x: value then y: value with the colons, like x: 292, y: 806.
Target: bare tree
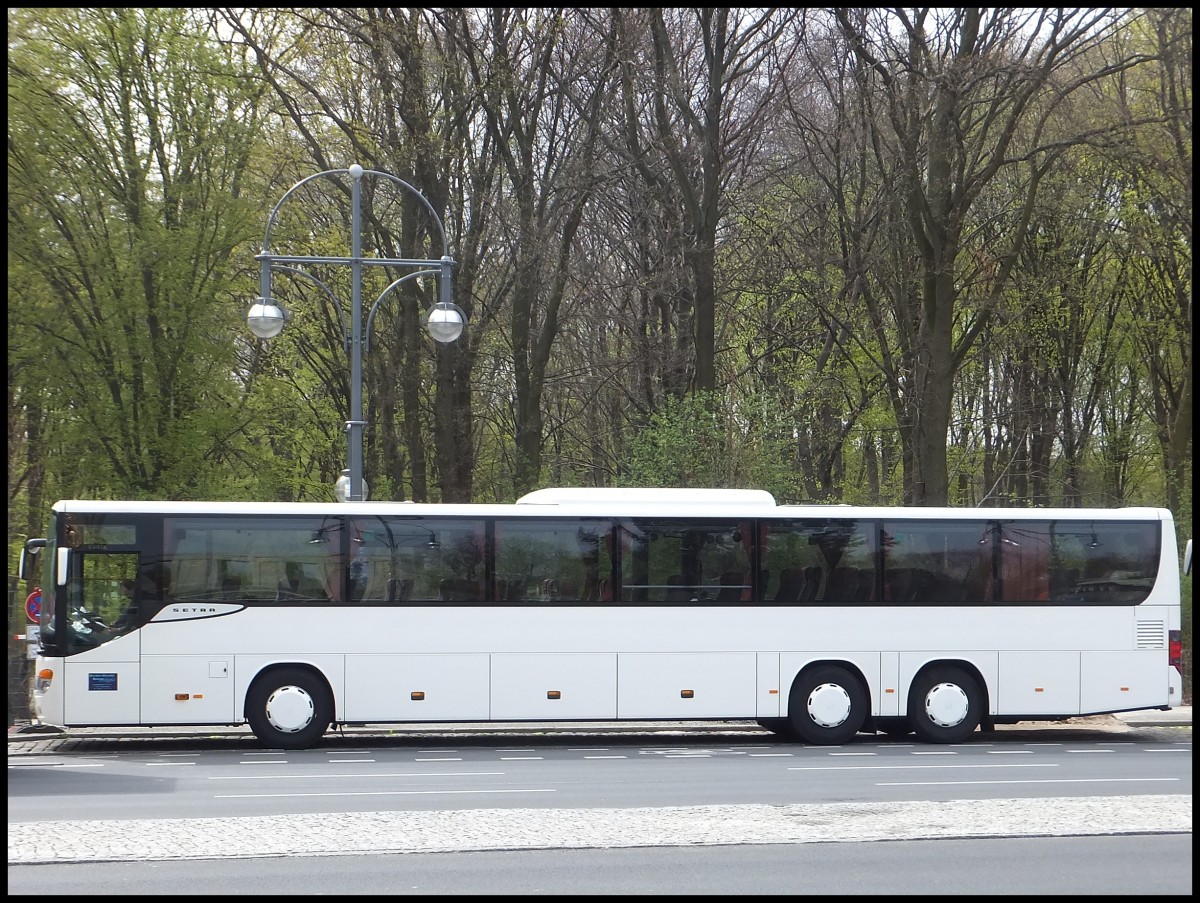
x: 542, y: 77
x: 696, y: 83
x: 1158, y: 166
x: 966, y: 95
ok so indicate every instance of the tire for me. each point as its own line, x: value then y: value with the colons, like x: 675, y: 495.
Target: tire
x: 827, y: 706
x: 893, y: 727
x: 289, y: 708
x: 945, y: 705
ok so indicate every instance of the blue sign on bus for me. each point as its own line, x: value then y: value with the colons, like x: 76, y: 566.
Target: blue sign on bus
x: 102, y: 681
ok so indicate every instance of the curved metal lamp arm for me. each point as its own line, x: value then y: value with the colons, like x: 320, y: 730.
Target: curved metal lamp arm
x: 387, y: 291
x: 328, y: 294
x: 437, y: 220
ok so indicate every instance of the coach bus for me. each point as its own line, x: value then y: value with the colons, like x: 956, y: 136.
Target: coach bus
x: 816, y: 621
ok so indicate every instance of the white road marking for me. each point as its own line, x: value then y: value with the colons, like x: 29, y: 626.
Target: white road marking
x: 1035, y: 781
x: 908, y: 767
x: 255, y: 796
x: 322, y: 776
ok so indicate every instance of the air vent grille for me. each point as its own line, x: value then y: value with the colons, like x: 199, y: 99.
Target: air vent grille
x: 1151, y: 635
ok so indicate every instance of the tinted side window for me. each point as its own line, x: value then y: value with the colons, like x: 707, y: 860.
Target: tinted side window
x: 935, y: 563
x: 1072, y: 562
x: 1106, y: 563
x: 418, y: 560
x: 828, y: 561
x: 553, y: 561
x: 692, y: 562
x: 299, y: 560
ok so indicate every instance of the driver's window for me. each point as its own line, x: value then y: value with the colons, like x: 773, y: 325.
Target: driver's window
x: 107, y: 598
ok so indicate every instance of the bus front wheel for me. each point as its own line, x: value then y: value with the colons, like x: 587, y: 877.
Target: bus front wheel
x: 289, y: 708
x: 945, y: 705
x: 827, y: 706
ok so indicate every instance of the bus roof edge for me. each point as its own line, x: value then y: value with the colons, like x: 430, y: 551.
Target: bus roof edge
x: 673, y: 495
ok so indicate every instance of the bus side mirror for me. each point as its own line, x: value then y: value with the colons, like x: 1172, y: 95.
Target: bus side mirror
x: 29, y: 554
x: 1187, y: 558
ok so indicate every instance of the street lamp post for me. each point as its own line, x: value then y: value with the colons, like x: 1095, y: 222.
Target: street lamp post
x: 444, y: 321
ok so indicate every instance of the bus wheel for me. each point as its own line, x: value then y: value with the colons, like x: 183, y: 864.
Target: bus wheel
x: 827, y: 705
x: 289, y: 708
x: 944, y: 705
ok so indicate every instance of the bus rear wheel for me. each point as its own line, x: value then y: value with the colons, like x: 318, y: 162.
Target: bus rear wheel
x: 945, y: 705
x: 827, y: 705
x: 289, y: 708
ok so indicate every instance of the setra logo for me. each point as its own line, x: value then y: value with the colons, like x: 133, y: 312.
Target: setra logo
x: 184, y: 612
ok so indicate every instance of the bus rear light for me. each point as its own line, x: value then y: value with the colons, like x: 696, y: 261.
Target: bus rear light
x: 1175, y: 650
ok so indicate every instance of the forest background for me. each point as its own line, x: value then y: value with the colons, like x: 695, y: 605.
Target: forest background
x: 916, y: 256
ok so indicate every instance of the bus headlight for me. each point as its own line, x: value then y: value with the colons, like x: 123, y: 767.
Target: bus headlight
x: 45, y: 677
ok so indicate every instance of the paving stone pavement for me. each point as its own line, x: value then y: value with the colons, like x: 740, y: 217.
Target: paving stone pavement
x: 119, y: 840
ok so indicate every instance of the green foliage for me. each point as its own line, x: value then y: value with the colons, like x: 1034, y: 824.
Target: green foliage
x: 128, y: 141
x: 701, y: 440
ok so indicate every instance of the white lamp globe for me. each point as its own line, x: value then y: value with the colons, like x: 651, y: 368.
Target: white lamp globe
x: 342, y: 487
x: 445, y: 322
x: 265, y: 320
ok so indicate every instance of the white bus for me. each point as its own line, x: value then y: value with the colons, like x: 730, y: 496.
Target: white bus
x: 816, y: 621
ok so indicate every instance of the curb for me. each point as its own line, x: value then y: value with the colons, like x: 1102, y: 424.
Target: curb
x: 32, y: 733
x: 29, y: 733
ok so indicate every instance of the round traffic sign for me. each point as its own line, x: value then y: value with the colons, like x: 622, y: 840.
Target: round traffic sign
x: 33, y: 605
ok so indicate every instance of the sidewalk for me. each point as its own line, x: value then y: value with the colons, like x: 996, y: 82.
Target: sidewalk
x: 35, y: 738
x: 1180, y: 715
